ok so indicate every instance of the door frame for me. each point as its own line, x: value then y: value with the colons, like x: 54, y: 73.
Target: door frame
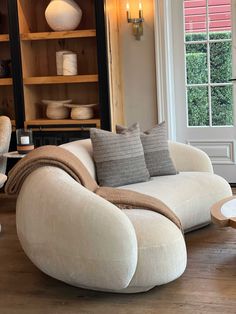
x: 221, y: 151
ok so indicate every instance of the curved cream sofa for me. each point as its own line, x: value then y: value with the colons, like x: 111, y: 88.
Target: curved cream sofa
x: 75, y: 236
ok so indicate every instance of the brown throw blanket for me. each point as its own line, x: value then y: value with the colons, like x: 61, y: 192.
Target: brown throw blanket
x: 59, y: 157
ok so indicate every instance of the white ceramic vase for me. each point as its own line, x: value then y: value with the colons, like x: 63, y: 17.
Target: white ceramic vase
x: 63, y: 15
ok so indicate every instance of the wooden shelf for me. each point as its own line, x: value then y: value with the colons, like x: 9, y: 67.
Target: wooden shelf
x: 58, y: 125
x: 43, y: 80
x: 5, y: 81
x: 58, y: 35
x: 62, y: 122
x: 4, y: 38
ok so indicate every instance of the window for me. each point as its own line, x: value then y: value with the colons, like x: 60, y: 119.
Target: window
x: 208, y: 59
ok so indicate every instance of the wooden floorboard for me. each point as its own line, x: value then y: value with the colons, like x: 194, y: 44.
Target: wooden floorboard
x: 207, y: 286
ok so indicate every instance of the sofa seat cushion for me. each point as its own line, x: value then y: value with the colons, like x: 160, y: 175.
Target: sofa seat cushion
x: 189, y: 194
x: 161, y: 249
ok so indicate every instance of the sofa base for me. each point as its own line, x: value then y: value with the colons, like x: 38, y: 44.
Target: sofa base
x: 197, y: 227
x: 125, y: 291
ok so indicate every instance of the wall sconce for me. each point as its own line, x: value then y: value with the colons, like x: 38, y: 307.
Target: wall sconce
x: 137, y: 22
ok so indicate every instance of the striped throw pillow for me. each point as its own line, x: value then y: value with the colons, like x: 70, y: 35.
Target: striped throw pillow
x: 156, y: 150
x: 119, y: 158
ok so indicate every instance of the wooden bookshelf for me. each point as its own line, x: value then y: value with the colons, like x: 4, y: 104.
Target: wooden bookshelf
x: 33, y: 46
x: 58, y: 35
x: 39, y: 45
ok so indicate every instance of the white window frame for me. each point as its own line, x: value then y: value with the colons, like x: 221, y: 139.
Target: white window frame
x: 164, y: 65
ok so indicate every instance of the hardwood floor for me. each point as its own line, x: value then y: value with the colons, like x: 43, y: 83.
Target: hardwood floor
x: 207, y: 286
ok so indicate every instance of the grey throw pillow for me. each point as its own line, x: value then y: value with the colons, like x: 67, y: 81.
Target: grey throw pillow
x: 156, y: 150
x: 119, y: 158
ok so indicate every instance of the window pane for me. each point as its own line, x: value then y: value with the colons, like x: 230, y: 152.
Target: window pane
x: 198, y: 109
x: 221, y: 61
x: 196, y: 63
x: 195, y: 20
x: 220, y: 35
x: 209, y: 21
x: 221, y: 102
x: 219, y: 19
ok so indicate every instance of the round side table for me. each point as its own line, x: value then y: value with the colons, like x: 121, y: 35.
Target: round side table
x: 14, y: 154
x: 223, y: 213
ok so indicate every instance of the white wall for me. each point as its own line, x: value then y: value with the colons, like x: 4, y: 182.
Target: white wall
x: 138, y: 67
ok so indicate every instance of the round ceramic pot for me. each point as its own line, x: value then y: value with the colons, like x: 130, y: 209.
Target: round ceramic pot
x: 56, y: 109
x: 63, y: 15
x: 81, y: 112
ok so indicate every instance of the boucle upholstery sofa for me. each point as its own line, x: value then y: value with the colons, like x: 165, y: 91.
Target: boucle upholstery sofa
x: 75, y: 236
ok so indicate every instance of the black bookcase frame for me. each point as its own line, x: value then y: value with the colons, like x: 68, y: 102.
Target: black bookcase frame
x: 17, y: 76
x: 103, y: 74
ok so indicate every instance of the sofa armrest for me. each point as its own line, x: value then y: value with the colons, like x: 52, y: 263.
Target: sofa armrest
x: 74, y: 235
x: 5, y: 134
x: 189, y: 158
